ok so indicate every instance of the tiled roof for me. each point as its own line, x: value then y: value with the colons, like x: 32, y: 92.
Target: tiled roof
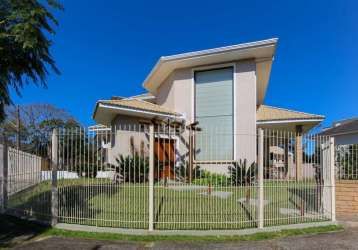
x: 268, y: 113
x: 263, y: 113
x: 139, y: 104
x: 143, y: 95
x: 346, y: 127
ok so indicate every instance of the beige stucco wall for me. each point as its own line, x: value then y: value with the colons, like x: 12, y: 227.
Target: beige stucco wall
x: 245, y: 82
x: 126, y: 127
x: 177, y: 93
x: 166, y: 93
x: 123, y: 128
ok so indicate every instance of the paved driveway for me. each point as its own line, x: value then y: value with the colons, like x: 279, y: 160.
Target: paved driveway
x: 339, y: 240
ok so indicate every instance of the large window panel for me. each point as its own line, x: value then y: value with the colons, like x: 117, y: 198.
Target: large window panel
x: 214, y: 112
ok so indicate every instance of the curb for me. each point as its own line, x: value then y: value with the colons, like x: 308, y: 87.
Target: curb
x: 143, y: 232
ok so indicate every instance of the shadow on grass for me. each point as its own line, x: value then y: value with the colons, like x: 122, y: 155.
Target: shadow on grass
x: 248, y: 214
x: 33, y: 202
x: 14, y: 231
x: 74, y: 201
x: 309, y: 197
x: 159, y: 211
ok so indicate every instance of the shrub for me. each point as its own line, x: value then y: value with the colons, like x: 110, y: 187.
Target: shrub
x: 241, y: 174
x: 182, y: 172
x: 88, y: 170
x: 208, y: 178
x: 133, y: 168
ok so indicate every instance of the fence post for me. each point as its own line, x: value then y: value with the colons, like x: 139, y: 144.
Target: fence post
x: 260, y: 177
x: 54, y: 166
x: 4, y: 176
x: 333, y: 178
x: 151, y: 177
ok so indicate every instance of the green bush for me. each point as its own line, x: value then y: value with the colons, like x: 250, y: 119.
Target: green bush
x: 88, y: 170
x: 182, y: 172
x: 207, y: 178
x: 133, y: 168
x: 241, y: 174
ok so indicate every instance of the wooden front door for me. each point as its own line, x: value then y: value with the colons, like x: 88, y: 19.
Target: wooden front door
x: 164, y: 150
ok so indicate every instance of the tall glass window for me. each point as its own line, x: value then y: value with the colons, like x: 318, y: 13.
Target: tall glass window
x: 214, y: 112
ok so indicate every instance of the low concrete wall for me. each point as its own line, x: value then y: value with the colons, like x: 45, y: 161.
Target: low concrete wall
x: 47, y: 175
x: 347, y: 198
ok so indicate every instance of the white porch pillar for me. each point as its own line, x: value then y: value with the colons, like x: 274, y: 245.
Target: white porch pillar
x: 299, y: 152
x: 260, y: 178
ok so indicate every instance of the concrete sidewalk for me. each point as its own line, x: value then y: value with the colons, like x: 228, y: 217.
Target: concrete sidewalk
x: 347, y: 239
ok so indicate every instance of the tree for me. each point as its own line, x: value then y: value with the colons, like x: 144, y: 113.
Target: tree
x: 24, y: 45
x: 37, y: 122
x: 133, y: 168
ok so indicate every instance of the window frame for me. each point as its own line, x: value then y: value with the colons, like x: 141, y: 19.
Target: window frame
x: 217, y: 67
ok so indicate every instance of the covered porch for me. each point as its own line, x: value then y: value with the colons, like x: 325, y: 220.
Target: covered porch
x: 130, y: 119
x: 286, y: 133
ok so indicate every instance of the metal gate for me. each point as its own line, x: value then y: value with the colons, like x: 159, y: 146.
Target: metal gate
x: 166, y: 176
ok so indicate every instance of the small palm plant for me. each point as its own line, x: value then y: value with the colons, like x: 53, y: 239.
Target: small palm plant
x: 243, y: 175
x: 133, y: 168
x: 182, y: 172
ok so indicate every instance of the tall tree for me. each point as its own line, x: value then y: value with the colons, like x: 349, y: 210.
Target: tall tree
x: 36, y: 124
x: 25, y: 45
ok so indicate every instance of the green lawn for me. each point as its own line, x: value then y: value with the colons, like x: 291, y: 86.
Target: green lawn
x: 194, y: 238
x: 99, y: 202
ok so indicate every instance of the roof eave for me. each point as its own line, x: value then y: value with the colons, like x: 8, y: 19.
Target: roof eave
x: 338, y: 133
x: 136, y: 111
x: 152, y: 85
x: 114, y: 106
x: 250, y: 45
x: 95, y: 111
x: 276, y: 121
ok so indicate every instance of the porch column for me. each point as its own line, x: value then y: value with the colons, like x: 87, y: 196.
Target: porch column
x: 298, y: 152
x: 286, y: 158
x: 266, y: 146
x: 191, y: 156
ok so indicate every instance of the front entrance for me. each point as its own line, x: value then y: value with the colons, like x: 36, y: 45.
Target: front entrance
x: 164, y: 153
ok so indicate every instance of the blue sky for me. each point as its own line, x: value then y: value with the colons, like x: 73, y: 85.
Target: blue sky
x: 106, y: 48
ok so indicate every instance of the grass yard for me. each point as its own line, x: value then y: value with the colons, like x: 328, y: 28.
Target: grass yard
x: 98, y: 202
x: 33, y: 202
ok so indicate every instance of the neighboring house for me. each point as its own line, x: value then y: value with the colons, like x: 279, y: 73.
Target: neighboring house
x: 222, y: 88
x: 103, y: 139
x: 345, y: 132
